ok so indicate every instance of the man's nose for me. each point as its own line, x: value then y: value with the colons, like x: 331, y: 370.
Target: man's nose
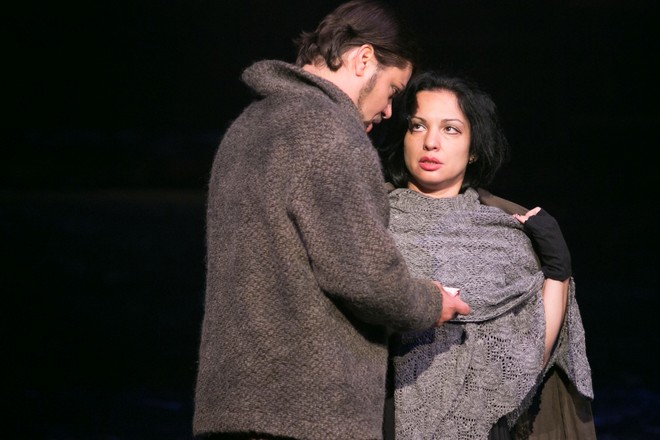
x: 387, y: 113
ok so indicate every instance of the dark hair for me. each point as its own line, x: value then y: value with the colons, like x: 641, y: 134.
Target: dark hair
x: 356, y: 23
x: 487, y: 141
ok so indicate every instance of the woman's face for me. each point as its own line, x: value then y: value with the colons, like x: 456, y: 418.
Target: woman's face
x: 437, y: 144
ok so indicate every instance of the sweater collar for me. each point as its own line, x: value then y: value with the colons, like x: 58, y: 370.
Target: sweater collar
x: 407, y: 200
x: 271, y: 77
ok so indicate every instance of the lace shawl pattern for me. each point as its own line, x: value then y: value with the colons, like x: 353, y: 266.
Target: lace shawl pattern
x: 456, y: 381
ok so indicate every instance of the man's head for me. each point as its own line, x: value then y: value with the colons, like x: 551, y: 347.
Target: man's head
x: 365, y: 49
x: 353, y: 24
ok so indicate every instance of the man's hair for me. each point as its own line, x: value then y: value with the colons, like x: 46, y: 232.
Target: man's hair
x: 356, y: 23
x: 487, y: 141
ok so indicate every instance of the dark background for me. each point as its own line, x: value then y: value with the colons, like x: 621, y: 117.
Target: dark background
x: 113, y: 111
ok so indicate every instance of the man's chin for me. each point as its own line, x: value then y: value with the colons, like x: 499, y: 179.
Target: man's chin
x: 368, y: 126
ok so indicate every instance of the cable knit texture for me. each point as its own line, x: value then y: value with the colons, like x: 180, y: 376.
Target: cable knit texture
x: 303, y: 275
x: 456, y: 381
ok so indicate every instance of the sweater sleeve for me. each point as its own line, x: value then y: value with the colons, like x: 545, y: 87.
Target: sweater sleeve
x: 341, y: 210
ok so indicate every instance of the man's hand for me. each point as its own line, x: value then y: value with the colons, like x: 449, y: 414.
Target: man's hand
x: 452, y: 305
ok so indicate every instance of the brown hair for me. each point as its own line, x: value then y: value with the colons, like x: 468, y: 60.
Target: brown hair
x: 356, y: 23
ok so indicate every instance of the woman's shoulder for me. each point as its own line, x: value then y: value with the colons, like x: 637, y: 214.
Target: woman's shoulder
x: 488, y: 199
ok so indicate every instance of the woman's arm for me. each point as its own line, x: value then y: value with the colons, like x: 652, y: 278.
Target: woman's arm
x: 556, y: 266
x: 555, y: 295
x: 548, y: 243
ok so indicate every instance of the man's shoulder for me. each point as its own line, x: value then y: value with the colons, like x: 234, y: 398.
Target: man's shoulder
x: 307, y: 115
x: 294, y: 93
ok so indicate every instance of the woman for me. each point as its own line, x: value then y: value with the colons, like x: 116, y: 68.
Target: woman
x: 477, y: 376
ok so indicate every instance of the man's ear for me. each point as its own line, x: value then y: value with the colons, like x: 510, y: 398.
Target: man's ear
x: 364, y: 56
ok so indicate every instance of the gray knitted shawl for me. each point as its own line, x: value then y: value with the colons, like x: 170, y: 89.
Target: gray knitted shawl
x: 456, y: 381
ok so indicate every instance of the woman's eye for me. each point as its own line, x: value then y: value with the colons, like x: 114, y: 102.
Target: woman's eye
x: 415, y: 126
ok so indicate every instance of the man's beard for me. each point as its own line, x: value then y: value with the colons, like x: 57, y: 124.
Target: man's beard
x: 364, y: 92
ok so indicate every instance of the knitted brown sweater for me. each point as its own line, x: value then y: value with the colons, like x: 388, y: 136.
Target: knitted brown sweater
x: 303, y: 275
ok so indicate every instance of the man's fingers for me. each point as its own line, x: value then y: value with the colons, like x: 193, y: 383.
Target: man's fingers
x: 462, y: 308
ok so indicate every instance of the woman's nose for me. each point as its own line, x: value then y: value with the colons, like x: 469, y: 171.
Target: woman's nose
x: 431, y: 142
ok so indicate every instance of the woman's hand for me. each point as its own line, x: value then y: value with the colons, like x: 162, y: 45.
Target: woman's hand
x: 548, y: 242
x: 523, y: 218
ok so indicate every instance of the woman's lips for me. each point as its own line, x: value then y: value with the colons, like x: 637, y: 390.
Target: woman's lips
x: 429, y: 163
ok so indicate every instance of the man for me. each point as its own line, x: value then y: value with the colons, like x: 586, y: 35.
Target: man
x: 303, y: 278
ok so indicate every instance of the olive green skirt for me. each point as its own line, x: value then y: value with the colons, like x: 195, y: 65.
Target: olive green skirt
x: 558, y: 412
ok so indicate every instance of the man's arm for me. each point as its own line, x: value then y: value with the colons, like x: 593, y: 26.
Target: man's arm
x: 341, y: 211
